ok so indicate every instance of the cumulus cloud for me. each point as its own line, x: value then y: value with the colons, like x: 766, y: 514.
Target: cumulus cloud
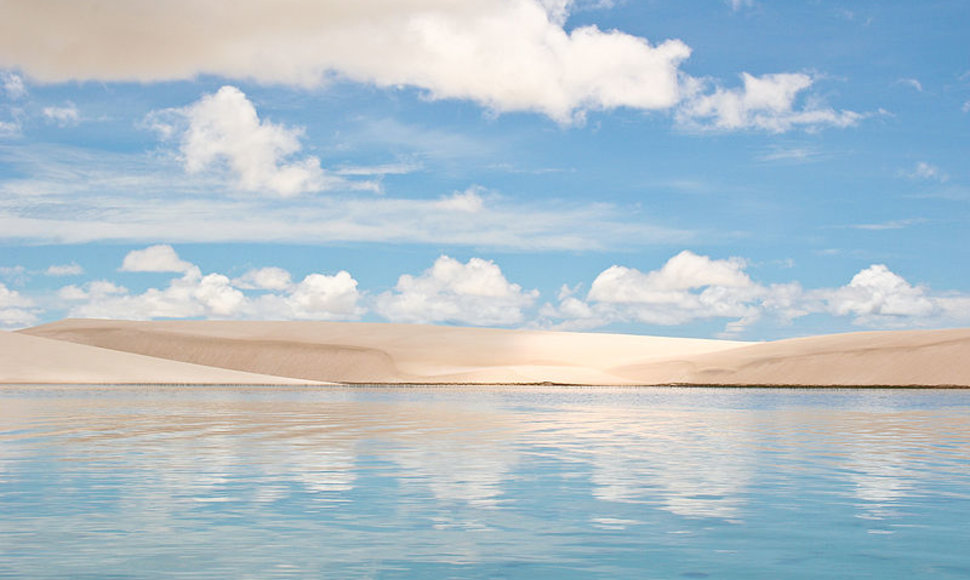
x: 468, y: 201
x: 158, y: 258
x: 72, y: 269
x: 214, y: 295
x: 876, y: 295
x: 690, y: 287
x: 223, y: 130
x: 686, y: 288
x: 473, y: 293
x: 767, y: 103
x: 269, y: 278
x: 16, y: 311
x: 508, y: 55
x: 316, y: 297
x: 191, y: 296
x: 66, y: 116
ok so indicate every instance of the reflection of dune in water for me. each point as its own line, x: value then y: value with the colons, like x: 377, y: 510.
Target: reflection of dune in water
x: 679, y: 460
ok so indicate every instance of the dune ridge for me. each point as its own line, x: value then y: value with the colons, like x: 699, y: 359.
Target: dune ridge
x: 422, y: 354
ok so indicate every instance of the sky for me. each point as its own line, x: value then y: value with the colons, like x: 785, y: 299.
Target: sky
x: 716, y: 168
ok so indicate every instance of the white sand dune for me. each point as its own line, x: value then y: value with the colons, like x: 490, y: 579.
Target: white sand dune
x: 894, y: 358
x: 401, y: 353
x: 29, y: 360
x: 383, y: 353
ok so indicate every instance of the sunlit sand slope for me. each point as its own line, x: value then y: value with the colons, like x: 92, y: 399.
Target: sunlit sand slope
x: 896, y: 358
x: 30, y: 359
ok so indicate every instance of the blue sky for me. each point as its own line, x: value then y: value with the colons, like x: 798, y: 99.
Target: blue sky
x: 733, y: 168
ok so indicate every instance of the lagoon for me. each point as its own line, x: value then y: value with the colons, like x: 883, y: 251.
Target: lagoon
x: 483, y: 482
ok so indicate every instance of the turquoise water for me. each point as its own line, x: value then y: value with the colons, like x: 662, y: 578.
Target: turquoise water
x: 268, y: 482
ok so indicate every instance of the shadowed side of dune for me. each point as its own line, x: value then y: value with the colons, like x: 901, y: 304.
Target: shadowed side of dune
x: 296, y: 359
x: 895, y: 358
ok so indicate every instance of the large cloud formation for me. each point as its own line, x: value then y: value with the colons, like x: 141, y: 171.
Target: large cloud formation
x: 195, y: 295
x: 509, y: 55
x: 690, y: 287
x: 473, y: 293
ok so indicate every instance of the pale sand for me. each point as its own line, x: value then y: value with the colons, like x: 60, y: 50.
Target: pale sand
x: 30, y: 360
x: 400, y: 353
x: 892, y: 358
x: 384, y: 353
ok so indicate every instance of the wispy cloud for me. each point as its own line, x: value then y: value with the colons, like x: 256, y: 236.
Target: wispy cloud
x: 65, y: 116
x: 912, y: 83
x: 75, y: 196
x: 890, y: 225
x: 925, y: 171
x: 792, y: 154
x: 768, y: 103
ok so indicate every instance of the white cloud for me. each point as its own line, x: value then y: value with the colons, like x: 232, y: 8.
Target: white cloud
x: 510, y: 55
x: 14, y: 274
x: 765, y: 103
x: 72, y: 269
x: 66, y: 116
x: 158, y: 258
x: 15, y: 310
x: 317, y: 297
x: 739, y: 4
x: 224, y: 129
x: 473, y: 293
x: 686, y: 288
x: 95, y: 290
x: 379, y: 170
x: 214, y: 295
x: 12, y: 85
x: 468, y: 201
x: 87, y: 197
x: 691, y: 287
x: 926, y: 171
x: 876, y: 295
x: 193, y: 295
x: 913, y: 83
x: 792, y: 154
x: 9, y: 129
x: 270, y: 278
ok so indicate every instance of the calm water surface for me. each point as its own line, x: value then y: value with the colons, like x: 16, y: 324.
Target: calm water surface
x: 268, y: 482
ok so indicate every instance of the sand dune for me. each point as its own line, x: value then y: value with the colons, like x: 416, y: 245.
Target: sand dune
x: 383, y: 353
x: 29, y: 359
x: 400, y: 353
x: 896, y: 358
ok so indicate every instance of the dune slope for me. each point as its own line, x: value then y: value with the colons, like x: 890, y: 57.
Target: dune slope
x: 30, y: 359
x: 893, y: 358
x: 401, y: 353
x: 383, y: 353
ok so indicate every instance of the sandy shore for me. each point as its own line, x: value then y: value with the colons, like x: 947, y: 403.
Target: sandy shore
x: 208, y: 351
